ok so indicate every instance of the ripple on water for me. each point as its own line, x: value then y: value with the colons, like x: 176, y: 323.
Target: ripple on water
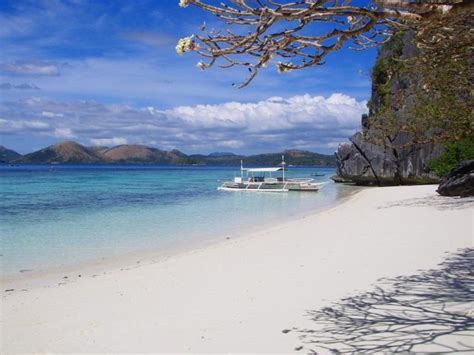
x: 76, y: 214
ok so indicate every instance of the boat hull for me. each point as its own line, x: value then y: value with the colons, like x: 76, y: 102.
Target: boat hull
x: 273, y: 187
x: 222, y: 188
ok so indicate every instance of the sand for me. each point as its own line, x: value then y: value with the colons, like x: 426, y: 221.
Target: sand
x: 243, y: 294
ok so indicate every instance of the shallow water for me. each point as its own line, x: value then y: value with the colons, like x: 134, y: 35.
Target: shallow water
x: 76, y: 214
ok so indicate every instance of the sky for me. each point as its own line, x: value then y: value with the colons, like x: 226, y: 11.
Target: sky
x: 107, y: 73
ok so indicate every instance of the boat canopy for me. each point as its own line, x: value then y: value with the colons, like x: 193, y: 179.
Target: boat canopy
x: 263, y: 170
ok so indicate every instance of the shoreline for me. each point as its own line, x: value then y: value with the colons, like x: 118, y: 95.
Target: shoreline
x: 243, y: 294
x: 109, y: 264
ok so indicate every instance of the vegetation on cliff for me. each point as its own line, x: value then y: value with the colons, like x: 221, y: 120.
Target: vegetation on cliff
x: 425, y: 94
x: 431, y: 102
x: 420, y: 121
x: 454, y: 153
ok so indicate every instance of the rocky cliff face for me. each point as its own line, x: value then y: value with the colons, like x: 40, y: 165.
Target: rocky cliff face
x: 366, y: 163
x: 460, y: 181
x: 385, y: 151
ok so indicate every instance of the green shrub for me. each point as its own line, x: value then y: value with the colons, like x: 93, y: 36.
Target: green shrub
x: 454, y: 153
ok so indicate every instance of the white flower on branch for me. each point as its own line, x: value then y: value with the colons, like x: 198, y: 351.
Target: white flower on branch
x: 183, y: 3
x: 186, y: 44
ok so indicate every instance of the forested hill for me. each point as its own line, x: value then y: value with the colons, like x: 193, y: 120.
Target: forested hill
x: 69, y: 152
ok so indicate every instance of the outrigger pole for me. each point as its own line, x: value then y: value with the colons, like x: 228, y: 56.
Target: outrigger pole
x: 283, y: 164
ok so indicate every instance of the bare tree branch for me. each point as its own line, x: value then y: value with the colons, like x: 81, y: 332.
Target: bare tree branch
x: 303, y: 33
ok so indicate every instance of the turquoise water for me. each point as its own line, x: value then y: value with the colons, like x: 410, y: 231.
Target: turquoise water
x: 76, y: 214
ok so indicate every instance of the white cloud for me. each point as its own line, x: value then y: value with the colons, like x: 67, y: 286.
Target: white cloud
x: 63, y: 133
x: 308, y: 122
x: 51, y: 114
x: 35, y: 124
x: 148, y: 38
x: 23, y: 86
x: 31, y: 68
x: 108, y: 141
x: 16, y: 126
x: 14, y: 25
x: 337, y: 111
x: 231, y: 144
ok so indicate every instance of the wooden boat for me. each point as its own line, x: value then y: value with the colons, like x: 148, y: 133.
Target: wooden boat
x: 264, y: 180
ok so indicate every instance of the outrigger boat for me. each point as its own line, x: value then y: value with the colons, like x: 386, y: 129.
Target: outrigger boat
x: 261, y: 180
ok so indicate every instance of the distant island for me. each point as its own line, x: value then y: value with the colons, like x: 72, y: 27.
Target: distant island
x: 69, y: 152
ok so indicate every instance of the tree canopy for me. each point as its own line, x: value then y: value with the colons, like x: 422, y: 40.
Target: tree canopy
x: 300, y: 34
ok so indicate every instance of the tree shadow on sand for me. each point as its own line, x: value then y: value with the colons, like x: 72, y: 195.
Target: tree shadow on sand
x: 439, y: 202
x: 423, y: 312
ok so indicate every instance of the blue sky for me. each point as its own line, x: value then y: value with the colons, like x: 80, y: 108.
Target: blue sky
x: 106, y: 72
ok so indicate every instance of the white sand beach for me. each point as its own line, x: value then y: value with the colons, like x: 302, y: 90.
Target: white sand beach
x: 246, y: 294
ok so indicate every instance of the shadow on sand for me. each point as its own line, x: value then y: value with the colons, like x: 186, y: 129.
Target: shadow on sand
x: 432, y: 311
x: 438, y: 202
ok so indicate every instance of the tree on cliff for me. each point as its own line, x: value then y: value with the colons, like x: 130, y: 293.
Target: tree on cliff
x: 302, y: 33
x: 421, y: 82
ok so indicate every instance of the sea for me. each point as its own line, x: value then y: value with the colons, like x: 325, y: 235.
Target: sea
x: 52, y: 216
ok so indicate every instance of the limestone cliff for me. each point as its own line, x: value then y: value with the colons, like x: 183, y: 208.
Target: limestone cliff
x: 421, y: 101
x: 398, y: 139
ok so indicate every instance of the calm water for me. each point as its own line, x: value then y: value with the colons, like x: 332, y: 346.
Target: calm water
x: 77, y: 214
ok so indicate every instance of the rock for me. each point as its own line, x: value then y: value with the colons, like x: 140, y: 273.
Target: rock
x: 459, y: 182
x: 365, y: 121
x: 340, y: 180
x: 385, y: 152
x: 366, y: 163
